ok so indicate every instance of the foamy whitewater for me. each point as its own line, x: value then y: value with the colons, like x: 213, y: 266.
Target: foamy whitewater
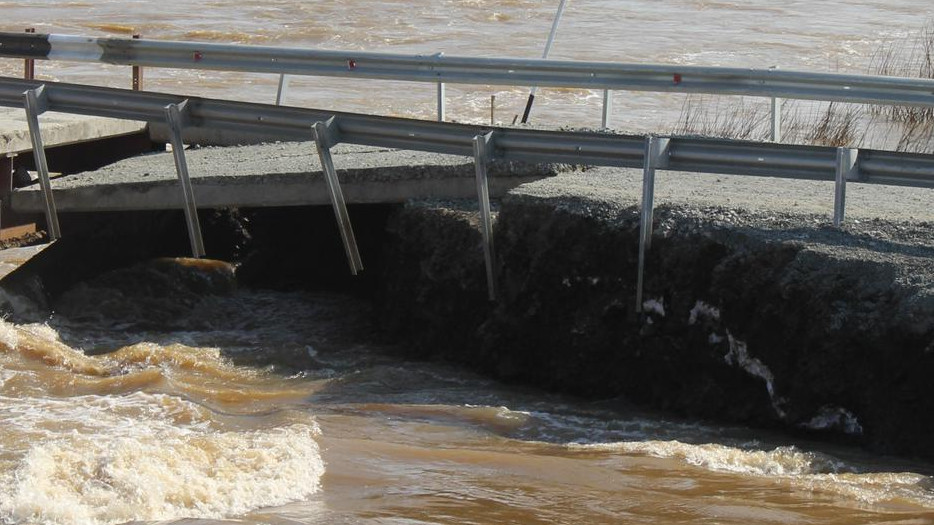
x: 126, y: 403
x: 301, y: 420
x: 130, y: 452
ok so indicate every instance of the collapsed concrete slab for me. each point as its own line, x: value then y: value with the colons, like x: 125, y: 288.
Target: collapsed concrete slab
x: 59, y: 129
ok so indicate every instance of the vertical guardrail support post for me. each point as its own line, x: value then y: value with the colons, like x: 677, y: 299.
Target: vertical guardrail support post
x: 607, y: 108
x: 655, y: 156
x: 36, y: 103
x: 283, y: 89
x: 776, y: 120
x: 29, y: 64
x: 442, y: 102
x: 137, y: 83
x: 847, y: 169
x: 776, y: 115
x: 177, y: 117
x: 483, y: 153
x: 325, y: 136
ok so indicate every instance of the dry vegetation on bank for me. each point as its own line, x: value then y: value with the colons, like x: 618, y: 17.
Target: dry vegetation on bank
x: 900, y: 128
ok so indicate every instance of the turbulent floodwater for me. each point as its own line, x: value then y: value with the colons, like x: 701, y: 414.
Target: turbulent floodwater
x: 140, y: 402
x: 148, y: 404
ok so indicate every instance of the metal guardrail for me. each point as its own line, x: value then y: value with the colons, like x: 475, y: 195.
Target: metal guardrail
x: 440, y: 69
x: 511, y: 144
x: 484, y: 143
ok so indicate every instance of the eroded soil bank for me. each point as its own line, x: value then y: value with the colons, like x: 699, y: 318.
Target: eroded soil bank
x: 766, y: 318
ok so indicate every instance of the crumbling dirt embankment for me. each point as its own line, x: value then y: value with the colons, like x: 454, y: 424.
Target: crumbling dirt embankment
x: 769, y: 317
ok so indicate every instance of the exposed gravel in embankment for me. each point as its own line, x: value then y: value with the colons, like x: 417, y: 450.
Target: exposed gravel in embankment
x: 756, y: 308
x: 887, y: 224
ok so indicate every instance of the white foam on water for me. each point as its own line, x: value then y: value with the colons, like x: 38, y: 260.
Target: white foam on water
x: 9, y: 337
x: 110, y: 459
x: 804, y: 470
x: 781, y: 461
x: 114, y: 457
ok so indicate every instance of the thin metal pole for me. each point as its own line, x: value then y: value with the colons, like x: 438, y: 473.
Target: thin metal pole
x: 442, y: 103
x: 548, y: 44
x: 283, y: 89
x: 481, y: 149
x: 847, y: 169
x: 776, y: 119
x: 652, y: 155
x: 492, y: 110
x: 776, y: 115
x: 322, y: 135
x: 175, y: 116
x: 137, y: 84
x: 554, y: 29
x: 36, y: 104
x: 29, y: 65
x: 607, y: 108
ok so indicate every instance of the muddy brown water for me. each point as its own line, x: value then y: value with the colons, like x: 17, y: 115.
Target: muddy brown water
x: 279, y: 407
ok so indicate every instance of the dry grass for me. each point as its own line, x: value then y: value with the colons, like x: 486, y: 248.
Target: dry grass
x: 827, y: 124
x: 900, y: 128
x: 713, y: 116
x: 912, y: 57
x: 824, y: 124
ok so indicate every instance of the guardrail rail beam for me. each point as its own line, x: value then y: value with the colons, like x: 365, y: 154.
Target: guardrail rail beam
x: 670, y: 78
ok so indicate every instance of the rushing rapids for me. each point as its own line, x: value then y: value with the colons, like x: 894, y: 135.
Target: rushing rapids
x: 281, y: 407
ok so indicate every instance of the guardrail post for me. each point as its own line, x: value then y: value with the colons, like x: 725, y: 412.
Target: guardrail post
x: 36, y: 103
x: 177, y: 117
x: 483, y: 153
x: 324, y: 134
x: 655, y: 156
x: 776, y: 115
x: 29, y: 64
x: 607, y: 108
x: 442, y: 102
x: 847, y: 169
x: 776, y: 119
x: 283, y: 89
x: 137, y: 84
